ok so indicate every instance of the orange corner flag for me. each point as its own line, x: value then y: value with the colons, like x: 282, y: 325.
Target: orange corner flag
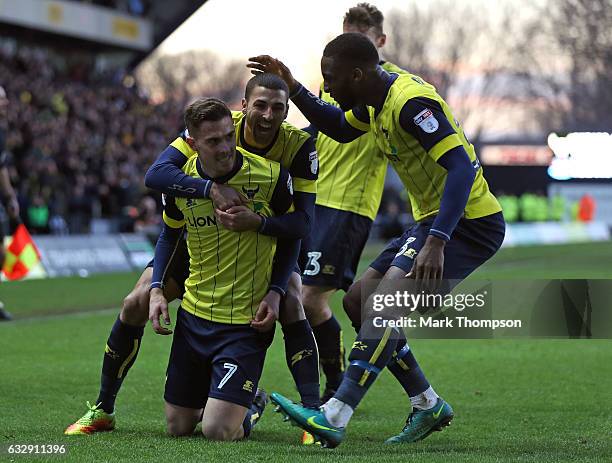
x: 21, y: 254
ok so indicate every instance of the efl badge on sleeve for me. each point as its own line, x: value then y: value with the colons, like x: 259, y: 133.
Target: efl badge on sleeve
x: 427, y: 121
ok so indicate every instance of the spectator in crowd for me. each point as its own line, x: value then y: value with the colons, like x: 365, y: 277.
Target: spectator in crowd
x: 80, y: 141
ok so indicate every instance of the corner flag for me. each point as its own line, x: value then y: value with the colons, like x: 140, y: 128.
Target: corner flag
x: 21, y: 254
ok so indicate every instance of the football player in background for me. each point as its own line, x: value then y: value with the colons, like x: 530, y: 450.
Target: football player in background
x: 349, y: 189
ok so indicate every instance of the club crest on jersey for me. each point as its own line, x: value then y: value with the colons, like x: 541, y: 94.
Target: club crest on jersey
x: 392, y: 152
x: 427, y: 121
x: 250, y: 192
x: 314, y: 162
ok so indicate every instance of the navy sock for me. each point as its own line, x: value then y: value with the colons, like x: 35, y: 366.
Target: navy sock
x: 303, y: 361
x: 406, y: 369
x: 331, y: 351
x: 369, y: 355
x: 119, y: 355
x: 247, y: 425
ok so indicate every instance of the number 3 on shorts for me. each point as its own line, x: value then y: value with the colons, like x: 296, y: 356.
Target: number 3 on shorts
x: 231, y: 369
x: 313, y: 261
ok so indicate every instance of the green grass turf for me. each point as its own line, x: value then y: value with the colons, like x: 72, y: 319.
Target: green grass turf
x: 61, y: 295
x: 515, y: 400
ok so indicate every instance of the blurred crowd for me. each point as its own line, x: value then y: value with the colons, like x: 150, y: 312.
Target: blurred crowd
x: 80, y: 143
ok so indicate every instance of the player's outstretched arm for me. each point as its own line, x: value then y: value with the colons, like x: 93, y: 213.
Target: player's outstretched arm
x: 325, y: 117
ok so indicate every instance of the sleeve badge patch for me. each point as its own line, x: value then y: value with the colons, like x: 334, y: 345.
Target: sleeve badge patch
x: 314, y: 162
x: 290, y: 185
x: 427, y: 121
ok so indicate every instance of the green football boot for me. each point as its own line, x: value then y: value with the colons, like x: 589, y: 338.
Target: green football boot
x: 421, y: 423
x: 310, y: 420
x: 95, y: 420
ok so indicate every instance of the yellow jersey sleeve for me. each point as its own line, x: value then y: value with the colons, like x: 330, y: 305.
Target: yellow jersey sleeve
x: 171, y: 215
x: 181, y: 144
x: 355, y: 122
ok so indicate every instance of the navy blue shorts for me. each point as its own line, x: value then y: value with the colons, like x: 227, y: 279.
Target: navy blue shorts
x: 474, y: 241
x: 178, y: 267
x: 216, y: 360
x: 330, y: 255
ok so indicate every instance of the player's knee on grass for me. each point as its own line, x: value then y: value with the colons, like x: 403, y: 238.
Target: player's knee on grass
x: 181, y: 421
x: 221, y: 431
x: 316, y: 304
x: 291, y: 309
x: 222, y: 420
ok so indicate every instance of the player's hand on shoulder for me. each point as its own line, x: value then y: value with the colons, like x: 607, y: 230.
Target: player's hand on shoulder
x: 158, y: 307
x: 267, y: 313
x: 224, y: 197
x: 265, y: 63
x: 239, y: 219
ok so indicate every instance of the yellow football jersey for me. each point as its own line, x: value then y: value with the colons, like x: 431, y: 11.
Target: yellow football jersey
x: 351, y: 175
x: 423, y: 178
x: 229, y: 272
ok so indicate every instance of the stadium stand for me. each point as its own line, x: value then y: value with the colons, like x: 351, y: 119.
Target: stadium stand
x: 80, y: 142
x: 79, y: 132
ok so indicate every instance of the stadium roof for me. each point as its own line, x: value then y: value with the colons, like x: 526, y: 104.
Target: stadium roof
x: 93, y: 27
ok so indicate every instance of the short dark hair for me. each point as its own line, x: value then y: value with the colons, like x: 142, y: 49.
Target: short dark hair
x: 352, y: 48
x: 365, y: 16
x: 266, y: 80
x: 203, y: 110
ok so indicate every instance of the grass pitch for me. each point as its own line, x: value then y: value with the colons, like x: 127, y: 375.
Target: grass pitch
x: 515, y: 400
